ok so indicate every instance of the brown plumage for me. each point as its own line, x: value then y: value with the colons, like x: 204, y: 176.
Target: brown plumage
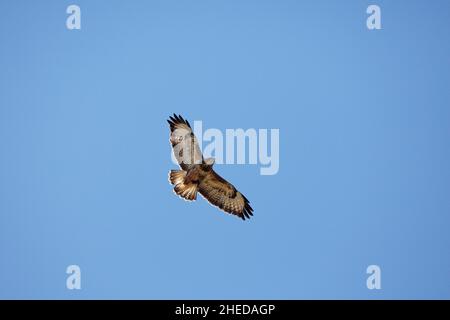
x: 197, y: 174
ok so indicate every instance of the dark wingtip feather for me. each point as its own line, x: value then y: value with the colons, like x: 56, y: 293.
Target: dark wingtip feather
x: 247, y: 211
x: 176, y: 119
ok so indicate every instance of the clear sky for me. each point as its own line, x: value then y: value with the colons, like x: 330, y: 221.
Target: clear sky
x: 364, y: 120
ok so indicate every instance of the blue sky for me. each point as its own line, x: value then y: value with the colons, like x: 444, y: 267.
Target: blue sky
x: 364, y: 123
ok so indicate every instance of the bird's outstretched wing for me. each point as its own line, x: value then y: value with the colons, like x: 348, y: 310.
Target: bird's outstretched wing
x: 224, y: 195
x: 184, y: 143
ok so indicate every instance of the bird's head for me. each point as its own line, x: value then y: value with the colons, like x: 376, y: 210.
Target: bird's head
x: 210, y: 161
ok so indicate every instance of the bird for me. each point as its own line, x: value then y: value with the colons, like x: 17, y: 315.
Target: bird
x: 197, y: 174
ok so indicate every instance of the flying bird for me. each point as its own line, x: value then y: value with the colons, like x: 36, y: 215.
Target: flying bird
x: 197, y: 174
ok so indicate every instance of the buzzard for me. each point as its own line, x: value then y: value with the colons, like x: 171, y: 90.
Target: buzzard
x: 197, y: 174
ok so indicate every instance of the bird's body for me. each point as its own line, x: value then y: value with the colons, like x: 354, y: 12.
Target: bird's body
x: 197, y: 174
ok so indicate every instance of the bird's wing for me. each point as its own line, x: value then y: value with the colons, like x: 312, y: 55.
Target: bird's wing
x: 184, y: 143
x: 224, y: 195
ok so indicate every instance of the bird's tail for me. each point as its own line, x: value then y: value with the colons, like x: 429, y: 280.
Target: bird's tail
x: 186, y: 190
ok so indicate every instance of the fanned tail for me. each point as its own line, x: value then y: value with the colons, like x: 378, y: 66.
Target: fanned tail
x: 187, y: 191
